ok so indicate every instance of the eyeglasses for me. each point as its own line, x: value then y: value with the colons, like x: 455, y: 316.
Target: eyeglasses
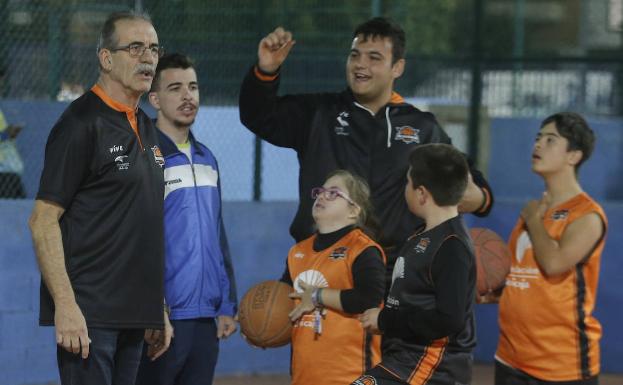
x: 330, y: 194
x: 138, y: 49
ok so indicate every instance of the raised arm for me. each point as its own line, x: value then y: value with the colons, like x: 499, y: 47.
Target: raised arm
x: 577, y: 242
x: 282, y: 121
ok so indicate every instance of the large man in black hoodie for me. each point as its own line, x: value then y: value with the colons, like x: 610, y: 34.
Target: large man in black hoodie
x: 368, y: 128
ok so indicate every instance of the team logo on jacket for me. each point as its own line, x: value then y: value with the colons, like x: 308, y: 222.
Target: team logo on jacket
x: 407, y: 134
x: 340, y: 129
x: 122, y: 162
x: 158, y: 156
x: 365, y: 380
x: 422, y: 245
x: 338, y: 253
x: 299, y: 255
x: 559, y: 215
x: 311, y: 278
x: 399, y: 269
x: 116, y: 148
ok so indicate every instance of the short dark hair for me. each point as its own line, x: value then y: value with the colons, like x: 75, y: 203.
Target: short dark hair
x: 108, y: 38
x: 382, y: 27
x: 442, y: 169
x: 576, y: 130
x: 172, y: 60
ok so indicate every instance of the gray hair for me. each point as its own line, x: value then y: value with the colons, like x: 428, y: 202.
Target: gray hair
x: 108, y: 38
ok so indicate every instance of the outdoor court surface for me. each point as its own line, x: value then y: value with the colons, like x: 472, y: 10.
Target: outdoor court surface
x: 483, y: 375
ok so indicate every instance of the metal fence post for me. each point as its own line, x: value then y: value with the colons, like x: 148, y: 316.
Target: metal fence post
x: 54, y: 51
x: 376, y: 7
x: 476, y: 96
x: 257, y: 159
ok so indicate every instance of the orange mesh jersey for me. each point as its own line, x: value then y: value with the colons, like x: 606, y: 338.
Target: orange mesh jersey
x: 546, y: 325
x: 343, y: 350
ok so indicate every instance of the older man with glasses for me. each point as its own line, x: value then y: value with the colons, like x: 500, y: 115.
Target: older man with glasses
x: 97, y: 223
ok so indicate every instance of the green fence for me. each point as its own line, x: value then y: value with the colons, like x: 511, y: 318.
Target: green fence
x: 514, y: 57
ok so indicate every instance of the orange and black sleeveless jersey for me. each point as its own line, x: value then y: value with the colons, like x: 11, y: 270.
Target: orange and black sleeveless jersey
x: 104, y: 167
x: 428, y: 320
x: 547, y: 329
x: 342, y: 350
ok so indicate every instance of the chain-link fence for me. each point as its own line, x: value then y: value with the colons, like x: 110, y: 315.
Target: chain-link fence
x: 527, y: 57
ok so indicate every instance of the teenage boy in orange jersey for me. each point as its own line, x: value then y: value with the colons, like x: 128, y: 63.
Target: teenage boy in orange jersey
x: 548, y: 333
x: 428, y: 320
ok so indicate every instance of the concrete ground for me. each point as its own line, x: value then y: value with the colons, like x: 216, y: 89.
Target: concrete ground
x: 483, y: 375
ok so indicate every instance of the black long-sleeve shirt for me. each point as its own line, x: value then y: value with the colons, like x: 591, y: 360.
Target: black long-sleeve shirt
x: 450, y: 275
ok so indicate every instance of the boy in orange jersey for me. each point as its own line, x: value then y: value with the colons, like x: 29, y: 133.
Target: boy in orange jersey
x: 428, y: 321
x: 548, y: 334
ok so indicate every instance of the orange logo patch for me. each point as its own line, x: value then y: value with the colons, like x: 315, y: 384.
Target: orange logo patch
x: 422, y: 245
x: 408, y: 134
x: 158, y: 156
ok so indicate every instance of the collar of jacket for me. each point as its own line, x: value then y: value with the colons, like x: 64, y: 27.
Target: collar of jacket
x: 168, y: 147
x: 396, y: 99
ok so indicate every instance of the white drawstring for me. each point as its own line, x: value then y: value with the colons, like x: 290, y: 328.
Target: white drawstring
x: 389, y: 122
x: 389, y: 128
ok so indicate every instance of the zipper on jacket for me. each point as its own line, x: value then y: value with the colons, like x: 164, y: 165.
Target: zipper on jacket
x: 192, y: 168
x: 389, y: 127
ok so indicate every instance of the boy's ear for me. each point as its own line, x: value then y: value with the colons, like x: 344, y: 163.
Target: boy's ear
x: 424, y: 195
x: 574, y: 157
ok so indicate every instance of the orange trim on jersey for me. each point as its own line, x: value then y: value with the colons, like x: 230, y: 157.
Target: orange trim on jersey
x: 428, y: 362
x: 487, y: 202
x: 130, y: 112
x: 390, y: 371
x: 396, y: 98
x: 264, y: 77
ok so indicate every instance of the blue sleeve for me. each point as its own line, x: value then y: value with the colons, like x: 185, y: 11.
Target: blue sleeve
x: 229, y: 304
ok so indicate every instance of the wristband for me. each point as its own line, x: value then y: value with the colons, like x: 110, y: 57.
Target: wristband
x: 316, y: 297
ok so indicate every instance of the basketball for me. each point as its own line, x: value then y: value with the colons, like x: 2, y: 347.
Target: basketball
x: 493, y: 259
x: 263, y: 314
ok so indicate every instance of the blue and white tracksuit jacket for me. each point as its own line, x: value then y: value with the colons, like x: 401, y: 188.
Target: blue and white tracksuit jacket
x: 199, y: 277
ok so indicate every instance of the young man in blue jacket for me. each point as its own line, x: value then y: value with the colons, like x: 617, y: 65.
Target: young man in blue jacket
x: 199, y: 279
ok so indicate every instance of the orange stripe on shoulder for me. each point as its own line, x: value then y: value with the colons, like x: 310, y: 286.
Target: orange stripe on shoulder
x: 118, y: 106
x: 396, y: 98
x: 263, y: 77
x: 112, y: 103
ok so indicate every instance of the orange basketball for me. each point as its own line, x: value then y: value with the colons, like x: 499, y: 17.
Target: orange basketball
x: 493, y: 259
x: 263, y: 314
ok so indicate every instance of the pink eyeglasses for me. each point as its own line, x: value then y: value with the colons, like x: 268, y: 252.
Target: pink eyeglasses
x: 330, y: 194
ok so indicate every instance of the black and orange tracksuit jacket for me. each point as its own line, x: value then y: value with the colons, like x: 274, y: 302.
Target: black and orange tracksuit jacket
x: 332, y: 131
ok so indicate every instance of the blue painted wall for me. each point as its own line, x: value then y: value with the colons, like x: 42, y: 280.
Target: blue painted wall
x: 27, y: 352
x: 259, y: 233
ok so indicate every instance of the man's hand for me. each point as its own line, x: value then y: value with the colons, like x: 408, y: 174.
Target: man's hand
x: 306, y: 304
x: 226, y: 326
x: 370, y: 320
x: 473, y: 198
x: 274, y: 49
x: 159, y: 340
x: 71, y: 329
